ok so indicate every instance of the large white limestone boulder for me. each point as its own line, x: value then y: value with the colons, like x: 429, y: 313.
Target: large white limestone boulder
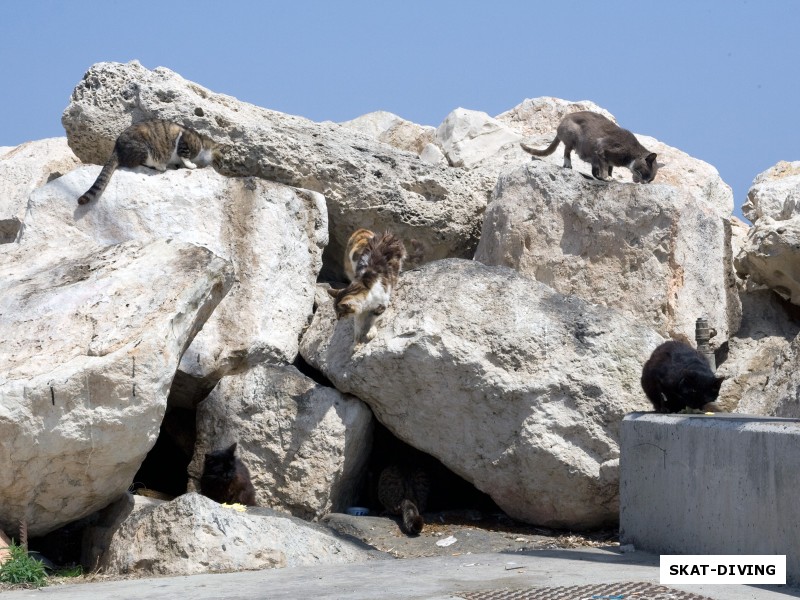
x: 393, y: 130
x: 24, y: 168
x: 366, y: 183
x: 540, y: 116
x: 306, y: 445
x: 193, y: 534
x: 771, y: 256
x: 470, y: 137
x: 512, y: 386
x: 774, y: 193
x: 92, y: 338
x: 769, y: 324
x: 272, y: 234
x: 653, y: 251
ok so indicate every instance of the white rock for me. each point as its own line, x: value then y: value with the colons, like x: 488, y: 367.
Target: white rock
x: 771, y: 256
x: 541, y: 116
x: 653, y: 251
x: 773, y: 390
x: 769, y: 324
x: 373, y: 124
x: 24, y: 168
x: 366, y: 183
x: 306, y: 445
x: 431, y: 154
x: 193, y: 534
x: 512, y: 386
x: 774, y: 193
x: 468, y: 137
x: 91, y: 342
x: 272, y: 234
x: 393, y: 130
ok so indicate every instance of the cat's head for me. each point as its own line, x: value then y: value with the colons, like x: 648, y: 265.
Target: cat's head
x: 644, y: 168
x: 348, y: 301
x: 211, y: 152
x: 219, y: 457
x: 700, y: 388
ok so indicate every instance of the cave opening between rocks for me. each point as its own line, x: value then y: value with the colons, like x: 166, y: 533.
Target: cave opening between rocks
x: 163, y: 474
x: 164, y: 471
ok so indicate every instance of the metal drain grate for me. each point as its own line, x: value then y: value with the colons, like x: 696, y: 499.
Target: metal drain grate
x: 606, y: 591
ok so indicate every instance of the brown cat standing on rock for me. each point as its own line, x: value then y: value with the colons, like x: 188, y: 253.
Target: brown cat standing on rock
x: 157, y: 144
x: 603, y: 144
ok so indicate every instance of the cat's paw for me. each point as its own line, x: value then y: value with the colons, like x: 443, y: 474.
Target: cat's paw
x: 189, y: 164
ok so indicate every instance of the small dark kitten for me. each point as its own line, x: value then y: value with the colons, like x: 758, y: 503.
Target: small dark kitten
x: 404, y: 491
x: 157, y: 144
x: 677, y: 376
x: 226, y: 479
x: 603, y: 144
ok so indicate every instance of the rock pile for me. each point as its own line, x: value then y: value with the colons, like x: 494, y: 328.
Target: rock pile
x: 510, y: 351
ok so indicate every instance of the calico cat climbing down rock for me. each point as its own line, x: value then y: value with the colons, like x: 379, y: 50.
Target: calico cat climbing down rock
x: 676, y: 376
x: 356, y: 248
x: 157, y: 144
x: 404, y: 491
x: 375, y: 262
x: 603, y: 144
x: 226, y: 479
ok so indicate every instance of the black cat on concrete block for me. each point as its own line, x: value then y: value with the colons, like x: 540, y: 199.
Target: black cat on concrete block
x: 676, y: 377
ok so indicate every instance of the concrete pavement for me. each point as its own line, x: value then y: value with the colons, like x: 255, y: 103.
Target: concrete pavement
x: 435, y: 578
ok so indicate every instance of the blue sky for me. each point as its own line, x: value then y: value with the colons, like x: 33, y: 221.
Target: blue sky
x: 717, y: 79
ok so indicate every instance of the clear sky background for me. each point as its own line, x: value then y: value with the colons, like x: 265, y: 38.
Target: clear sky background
x: 716, y: 79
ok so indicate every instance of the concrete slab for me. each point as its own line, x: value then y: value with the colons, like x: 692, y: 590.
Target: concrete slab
x: 434, y: 578
x: 722, y: 484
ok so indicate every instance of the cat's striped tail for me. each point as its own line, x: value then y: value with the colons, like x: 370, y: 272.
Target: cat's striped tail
x: 546, y: 152
x: 94, y: 192
x: 412, y: 520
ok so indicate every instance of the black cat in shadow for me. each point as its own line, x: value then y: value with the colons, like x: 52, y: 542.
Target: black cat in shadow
x: 226, y: 479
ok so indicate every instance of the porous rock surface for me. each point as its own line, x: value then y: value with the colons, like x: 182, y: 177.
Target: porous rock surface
x: 272, y: 234
x: 366, y: 183
x: 91, y: 341
x: 627, y: 246
x: 514, y: 387
x: 23, y: 169
x: 305, y: 445
x: 193, y: 534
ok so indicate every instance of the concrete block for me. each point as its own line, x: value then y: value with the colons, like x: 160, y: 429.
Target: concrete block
x: 723, y: 484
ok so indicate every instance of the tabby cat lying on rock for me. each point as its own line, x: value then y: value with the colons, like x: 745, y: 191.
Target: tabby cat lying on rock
x: 157, y: 144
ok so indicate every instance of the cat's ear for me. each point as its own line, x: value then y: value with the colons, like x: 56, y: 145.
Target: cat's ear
x: 332, y: 292
x: 651, y: 158
x: 232, y: 448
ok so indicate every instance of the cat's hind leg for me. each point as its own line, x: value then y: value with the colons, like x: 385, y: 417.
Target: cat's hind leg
x: 567, y: 156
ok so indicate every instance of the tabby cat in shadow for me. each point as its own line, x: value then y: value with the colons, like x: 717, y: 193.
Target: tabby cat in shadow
x: 226, y: 479
x: 603, y: 144
x: 676, y: 376
x: 157, y: 144
x: 404, y: 491
x: 373, y: 262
